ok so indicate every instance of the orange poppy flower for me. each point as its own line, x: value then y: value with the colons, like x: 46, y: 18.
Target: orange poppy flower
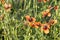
x: 56, y: 7
x: 52, y: 22
x: 3, y: 1
x: 30, y: 19
x: 46, y: 13
x: 7, y: 6
x: 49, y: 14
x: 35, y: 24
x: 38, y: 23
x: 45, y: 28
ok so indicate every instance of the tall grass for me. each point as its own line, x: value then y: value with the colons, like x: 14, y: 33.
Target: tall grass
x: 12, y: 26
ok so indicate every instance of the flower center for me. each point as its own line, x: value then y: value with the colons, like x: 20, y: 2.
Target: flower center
x: 30, y: 20
x: 45, y: 27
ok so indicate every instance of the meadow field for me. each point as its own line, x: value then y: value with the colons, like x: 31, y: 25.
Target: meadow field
x: 29, y: 19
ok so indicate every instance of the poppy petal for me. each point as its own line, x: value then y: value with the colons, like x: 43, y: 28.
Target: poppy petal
x: 46, y: 31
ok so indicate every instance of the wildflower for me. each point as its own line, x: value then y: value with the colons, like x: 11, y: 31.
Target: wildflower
x: 38, y: 23
x: 3, y: 1
x: 30, y: 19
x: 7, y: 6
x: 1, y: 17
x: 47, y: 10
x: 35, y: 24
x: 52, y: 22
x: 45, y: 1
x: 56, y: 7
x: 46, y: 13
x: 49, y: 14
x: 45, y: 28
x: 32, y: 24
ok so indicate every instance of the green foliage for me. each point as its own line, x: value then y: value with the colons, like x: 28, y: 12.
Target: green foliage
x: 12, y: 26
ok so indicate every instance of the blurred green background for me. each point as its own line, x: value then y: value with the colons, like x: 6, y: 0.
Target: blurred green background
x: 12, y: 26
